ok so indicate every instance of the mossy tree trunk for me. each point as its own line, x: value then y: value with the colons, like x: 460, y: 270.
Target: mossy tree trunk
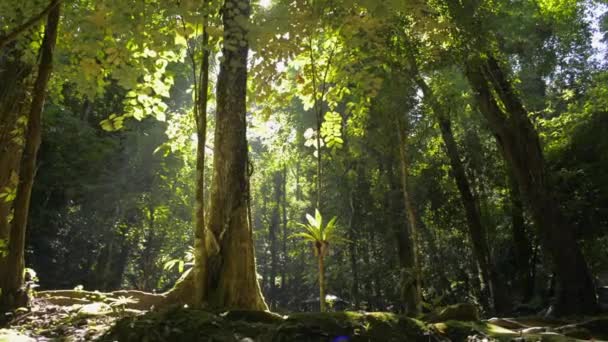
x: 13, y: 293
x: 226, y: 257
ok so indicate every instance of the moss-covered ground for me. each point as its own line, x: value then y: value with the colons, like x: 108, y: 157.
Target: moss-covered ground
x: 102, y: 322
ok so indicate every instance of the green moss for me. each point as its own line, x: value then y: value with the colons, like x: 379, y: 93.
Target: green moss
x: 196, y: 325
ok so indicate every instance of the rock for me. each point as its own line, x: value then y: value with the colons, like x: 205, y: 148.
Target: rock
x: 94, y: 309
x: 8, y: 335
x: 458, y: 312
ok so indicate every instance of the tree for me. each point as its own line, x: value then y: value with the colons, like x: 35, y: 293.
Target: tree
x: 408, y: 236
x: 320, y: 236
x: 230, y: 278
x: 13, y: 293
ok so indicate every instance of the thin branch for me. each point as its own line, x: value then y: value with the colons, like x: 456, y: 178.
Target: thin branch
x: 4, y: 40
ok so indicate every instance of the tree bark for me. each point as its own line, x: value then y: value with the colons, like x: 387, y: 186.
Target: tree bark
x: 521, y: 244
x: 322, y: 302
x: 284, y: 281
x: 272, y: 237
x: 14, y: 294
x: 14, y: 75
x: 522, y: 150
x: 477, y: 232
x: 228, y: 252
x: 200, y: 111
x: 352, y: 251
x: 408, y: 252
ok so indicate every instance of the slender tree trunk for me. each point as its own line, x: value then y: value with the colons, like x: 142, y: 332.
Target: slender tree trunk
x: 477, y: 232
x: 352, y: 250
x: 321, y: 280
x: 521, y: 244
x: 14, y: 294
x: 284, y: 281
x: 272, y: 237
x: 408, y: 253
x: 199, y: 270
x: 521, y: 145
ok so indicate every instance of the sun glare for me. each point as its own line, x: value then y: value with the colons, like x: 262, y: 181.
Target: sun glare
x: 265, y: 3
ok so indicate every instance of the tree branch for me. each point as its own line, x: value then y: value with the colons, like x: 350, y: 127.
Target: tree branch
x: 4, y: 40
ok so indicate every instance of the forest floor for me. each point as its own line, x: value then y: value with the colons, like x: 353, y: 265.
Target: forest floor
x: 111, y: 319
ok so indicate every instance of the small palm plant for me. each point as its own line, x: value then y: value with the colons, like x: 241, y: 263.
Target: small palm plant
x: 320, y: 236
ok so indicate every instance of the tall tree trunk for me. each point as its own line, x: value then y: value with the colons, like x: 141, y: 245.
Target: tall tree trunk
x: 521, y: 146
x: 272, y: 237
x: 284, y: 281
x: 477, y: 232
x: 408, y: 253
x: 231, y: 279
x: 521, y: 244
x: 14, y: 294
x: 352, y: 250
x: 14, y: 75
x: 321, y: 260
x: 200, y: 111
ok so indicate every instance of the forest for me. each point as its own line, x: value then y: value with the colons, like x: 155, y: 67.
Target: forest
x: 303, y: 170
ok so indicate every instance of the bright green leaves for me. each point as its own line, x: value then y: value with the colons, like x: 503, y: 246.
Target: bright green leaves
x: 558, y: 9
x: 331, y: 130
x: 9, y: 192
x: 147, y: 97
x: 3, y: 250
x: 18, y: 133
x: 319, y: 234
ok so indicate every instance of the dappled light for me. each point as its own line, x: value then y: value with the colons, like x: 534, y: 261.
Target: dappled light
x: 303, y: 170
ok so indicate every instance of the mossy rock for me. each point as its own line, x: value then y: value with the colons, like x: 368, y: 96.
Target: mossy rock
x: 174, y: 325
x: 253, y: 316
x: 196, y: 325
x: 8, y: 335
x: 349, y: 326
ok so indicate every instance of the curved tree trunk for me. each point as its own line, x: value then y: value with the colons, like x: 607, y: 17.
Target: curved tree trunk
x: 477, y: 232
x: 14, y: 294
x: 521, y: 146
